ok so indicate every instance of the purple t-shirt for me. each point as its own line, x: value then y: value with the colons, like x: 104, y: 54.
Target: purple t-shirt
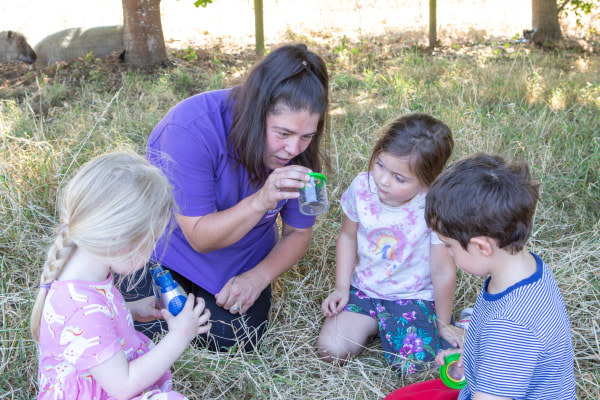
x: 190, y: 146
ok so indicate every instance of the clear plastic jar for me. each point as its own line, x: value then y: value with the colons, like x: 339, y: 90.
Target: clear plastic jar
x: 313, y: 196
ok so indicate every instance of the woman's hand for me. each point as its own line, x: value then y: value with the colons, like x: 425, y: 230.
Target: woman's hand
x: 145, y: 310
x: 335, y: 302
x: 191, y: 321
x: 283, y: 183
x: 241, y: 291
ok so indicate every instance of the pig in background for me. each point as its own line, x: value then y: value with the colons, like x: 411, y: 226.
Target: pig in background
x: 14, y: 47
x: 72, y: 43
x: 65, y: 45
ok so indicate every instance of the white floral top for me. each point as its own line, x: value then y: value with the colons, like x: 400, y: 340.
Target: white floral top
x: 393, y: 243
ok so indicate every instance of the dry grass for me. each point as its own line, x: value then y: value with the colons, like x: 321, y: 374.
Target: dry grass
x: 497, y: 97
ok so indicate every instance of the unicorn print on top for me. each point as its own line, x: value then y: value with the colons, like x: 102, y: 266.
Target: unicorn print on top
x: 75, y: 296
x: 50, y: 316
x: 388, y: 244
x: 75, y: 343
x: 97, y: 329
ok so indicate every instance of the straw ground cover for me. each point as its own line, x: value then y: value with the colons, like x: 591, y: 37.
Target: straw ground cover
x: 507, y: 99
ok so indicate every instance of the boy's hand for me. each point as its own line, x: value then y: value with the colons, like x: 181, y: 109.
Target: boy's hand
x: 439, y: 359
x: 191, y: 321
x: 335, y: 302
x: 453, y: 370
x: 145, y: 310
x: 453, y: 334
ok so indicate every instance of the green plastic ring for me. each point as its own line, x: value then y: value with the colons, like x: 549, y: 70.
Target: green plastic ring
x: 318, y: 175
x: 319, y: 179
x: 447, y: 379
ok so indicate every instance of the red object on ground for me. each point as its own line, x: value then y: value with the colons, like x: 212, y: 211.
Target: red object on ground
x: 428, y: 390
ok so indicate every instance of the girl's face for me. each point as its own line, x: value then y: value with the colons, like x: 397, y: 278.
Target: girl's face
x: 288, y: 133
x: 133, y: 263
x: 396, y: 184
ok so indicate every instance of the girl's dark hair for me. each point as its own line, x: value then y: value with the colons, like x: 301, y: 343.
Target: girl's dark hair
x: 290, y: 76
x: 483, y: 195
x: 426, y: 140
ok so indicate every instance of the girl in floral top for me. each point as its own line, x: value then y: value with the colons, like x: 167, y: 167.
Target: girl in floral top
x: 392, y: 271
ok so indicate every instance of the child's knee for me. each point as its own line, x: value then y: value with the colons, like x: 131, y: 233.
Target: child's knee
x: 332, y: 348
x: 332, y: 352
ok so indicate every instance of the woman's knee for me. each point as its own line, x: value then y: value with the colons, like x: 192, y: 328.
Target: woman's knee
x: 227, y: 336
x: 233, y: 331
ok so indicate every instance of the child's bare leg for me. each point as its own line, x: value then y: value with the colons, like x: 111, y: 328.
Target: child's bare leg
x: 344, y: 336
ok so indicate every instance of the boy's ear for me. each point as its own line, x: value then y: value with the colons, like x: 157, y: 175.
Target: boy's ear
x: 484, y: 244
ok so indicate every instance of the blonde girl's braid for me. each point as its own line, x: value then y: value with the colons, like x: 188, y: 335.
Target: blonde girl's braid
x: 58, y: 255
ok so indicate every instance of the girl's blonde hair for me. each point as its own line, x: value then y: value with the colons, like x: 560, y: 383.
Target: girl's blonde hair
x: 115, y: 207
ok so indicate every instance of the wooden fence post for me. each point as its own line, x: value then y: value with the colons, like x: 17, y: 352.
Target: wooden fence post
x: 259, y: 27
x: 432, y: 24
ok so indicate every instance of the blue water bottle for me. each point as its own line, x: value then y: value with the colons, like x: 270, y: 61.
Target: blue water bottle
x: 156, y: 269
x: 171, y: 295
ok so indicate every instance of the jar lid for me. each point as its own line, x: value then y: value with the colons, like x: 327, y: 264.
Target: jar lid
x: 318, y: 175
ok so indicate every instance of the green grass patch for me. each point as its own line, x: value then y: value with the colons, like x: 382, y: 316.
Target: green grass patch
x: 515, y: 101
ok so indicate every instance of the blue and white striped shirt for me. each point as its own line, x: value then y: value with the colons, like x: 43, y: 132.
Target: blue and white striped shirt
x: 519, y: 342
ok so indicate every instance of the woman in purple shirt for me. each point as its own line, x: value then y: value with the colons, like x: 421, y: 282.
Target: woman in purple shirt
x: 235, y: 159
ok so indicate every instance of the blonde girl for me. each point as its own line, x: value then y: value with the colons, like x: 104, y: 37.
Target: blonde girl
x: 111, y: 213
x: 392, y: 274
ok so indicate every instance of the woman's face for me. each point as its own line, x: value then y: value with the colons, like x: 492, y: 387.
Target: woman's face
x: 288, y: 133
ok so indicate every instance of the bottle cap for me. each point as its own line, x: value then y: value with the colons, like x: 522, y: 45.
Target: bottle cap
x: 156, y: 269
x: 165, y: 281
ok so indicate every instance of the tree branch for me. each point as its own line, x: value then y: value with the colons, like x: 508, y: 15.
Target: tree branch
x: 563, y: 5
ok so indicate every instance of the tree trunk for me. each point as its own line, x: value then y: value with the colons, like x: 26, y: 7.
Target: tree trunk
x: 545, y: 22
x: 432, y: 24
x: 259, y: 27
x: 142, y: 35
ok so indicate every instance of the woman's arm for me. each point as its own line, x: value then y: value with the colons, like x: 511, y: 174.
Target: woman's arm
x: 443, y: 277
x: 346, y: 253
x: 224, y: 228
x: 243, y: 290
